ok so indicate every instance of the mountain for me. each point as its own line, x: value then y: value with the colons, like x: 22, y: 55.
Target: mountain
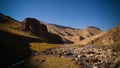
x: 110, y: 37
x: 67, y: 34
x: 11, y: 25
x: 68, y: 31
x: 35, y: 27
x: 72, y: 34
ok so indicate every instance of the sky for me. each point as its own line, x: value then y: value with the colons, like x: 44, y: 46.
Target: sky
x: 103, y: 14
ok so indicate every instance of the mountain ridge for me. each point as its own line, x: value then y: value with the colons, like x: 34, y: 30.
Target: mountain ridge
x: 72, y: 34
x: 66, y: 33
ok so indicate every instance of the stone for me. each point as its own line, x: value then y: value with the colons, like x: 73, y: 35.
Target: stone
x: 109, y: 50
x: 91, y: 59
x: 79, y: 56
x: 76, y: 59
x: 95, y: 66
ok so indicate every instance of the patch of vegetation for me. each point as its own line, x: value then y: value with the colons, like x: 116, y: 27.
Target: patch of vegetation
x: 42, y: 46
x: 79, y: 45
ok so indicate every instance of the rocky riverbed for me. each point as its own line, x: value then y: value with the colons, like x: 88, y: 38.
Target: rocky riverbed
x: 87, y: 56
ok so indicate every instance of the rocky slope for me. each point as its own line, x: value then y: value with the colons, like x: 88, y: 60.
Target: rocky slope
x: 87, y: 56
x: 34, y: 26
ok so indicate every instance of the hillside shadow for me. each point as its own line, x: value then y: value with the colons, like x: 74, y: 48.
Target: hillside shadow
x: 53, y: 38
x: 14, y: 48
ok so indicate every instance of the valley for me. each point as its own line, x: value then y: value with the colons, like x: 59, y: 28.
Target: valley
x: 71, y: 56
x: 35, y: 44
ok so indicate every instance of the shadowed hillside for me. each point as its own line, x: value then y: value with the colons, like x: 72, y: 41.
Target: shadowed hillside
x: 14, y: 48
x: 14, y: 44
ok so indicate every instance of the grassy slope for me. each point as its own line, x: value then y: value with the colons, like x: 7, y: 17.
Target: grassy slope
x: 87, y: 40
x: 14, y: 28
x: 112, y: 36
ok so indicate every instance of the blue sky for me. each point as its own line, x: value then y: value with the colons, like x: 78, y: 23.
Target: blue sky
x: 104, y: 14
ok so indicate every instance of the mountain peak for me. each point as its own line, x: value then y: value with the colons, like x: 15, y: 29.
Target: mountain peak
x: 60, y: 26
x: 94, y: 27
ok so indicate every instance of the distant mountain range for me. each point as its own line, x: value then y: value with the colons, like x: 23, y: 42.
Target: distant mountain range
x: 72, y: 34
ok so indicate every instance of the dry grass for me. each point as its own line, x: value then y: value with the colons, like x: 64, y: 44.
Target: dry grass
x: 42, y: 46
x: 87, y: 40
x: 79, y: 45
x: 49, y: 61
x: 14, y: 28
x: 45, y: 61
x: 12, y: 25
